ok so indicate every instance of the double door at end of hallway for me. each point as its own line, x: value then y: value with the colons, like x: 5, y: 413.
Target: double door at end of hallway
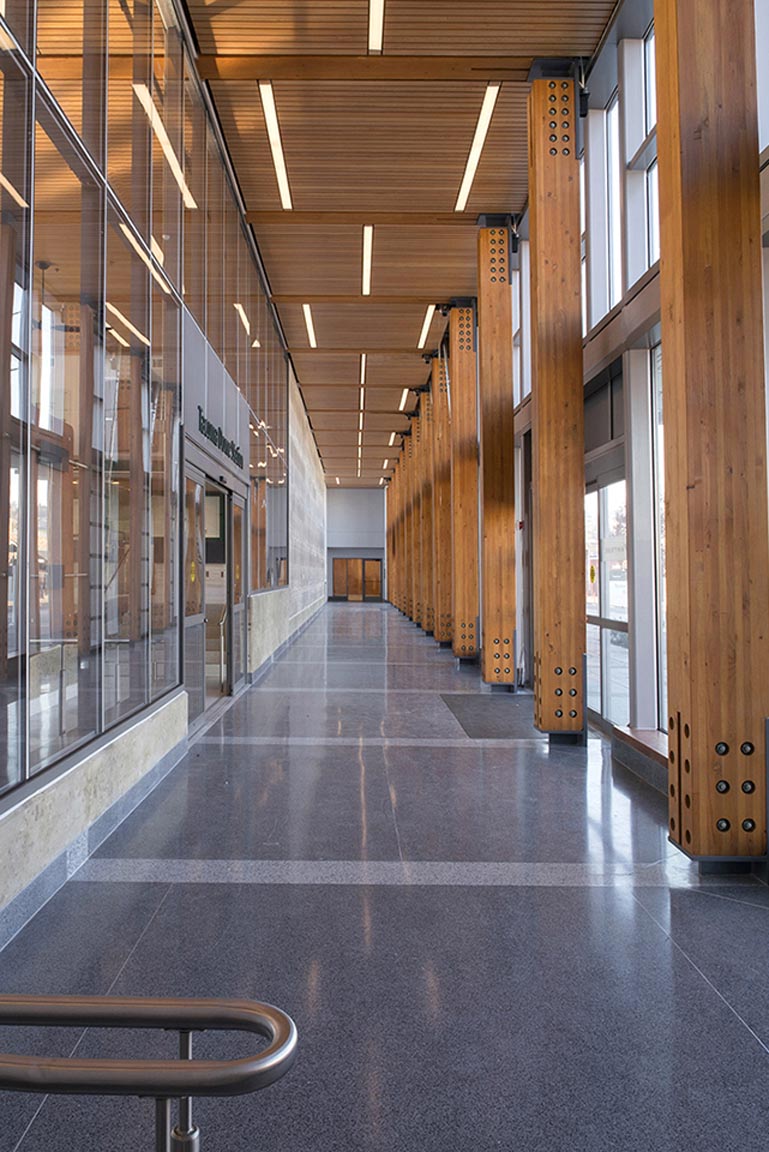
x: 356, y: 579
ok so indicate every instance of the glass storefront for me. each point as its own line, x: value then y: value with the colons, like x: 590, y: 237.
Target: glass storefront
x: 132, y: 211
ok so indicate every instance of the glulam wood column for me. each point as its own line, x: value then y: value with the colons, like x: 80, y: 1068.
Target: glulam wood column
x: 716, y: 546
x: 442, y: 559
x: 495, y: 362
x: 558, y: 437
x: 428, y: 508
x: 465, y: 599
x: 416, y: 521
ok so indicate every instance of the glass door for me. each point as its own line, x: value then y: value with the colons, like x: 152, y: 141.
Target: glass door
x: 239, y: 602
x: 217, y: 592
x: 194, y: 594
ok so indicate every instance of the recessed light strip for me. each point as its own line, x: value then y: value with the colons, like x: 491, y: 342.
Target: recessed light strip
x: 276, y: 145
x: 309, y: 325
x: 368, y: 249
x: 158, y: 127
x: 375, y: 25
x: 426, y: 326
x: 362, y: 369
x: 404, y: 401
x: 481, y: 128
x: 393, y: 438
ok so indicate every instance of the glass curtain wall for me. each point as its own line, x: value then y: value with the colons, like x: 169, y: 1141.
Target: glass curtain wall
x: 132, y: 211
x: 658, y: 446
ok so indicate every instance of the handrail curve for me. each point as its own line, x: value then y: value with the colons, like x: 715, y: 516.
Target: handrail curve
x: 158, y: 1078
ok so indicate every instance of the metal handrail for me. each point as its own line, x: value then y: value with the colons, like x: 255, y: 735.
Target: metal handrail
x: 159, y: 1078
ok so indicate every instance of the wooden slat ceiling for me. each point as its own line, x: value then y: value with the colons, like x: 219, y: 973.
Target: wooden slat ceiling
x: 360, y: 146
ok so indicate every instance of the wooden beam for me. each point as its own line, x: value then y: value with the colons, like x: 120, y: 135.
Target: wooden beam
x: 298, y: 219
x: 716, y: 545
x: 466, y: 629
x: 442, y: 558
x: 353, y: 298
x: 306, y: 350
x: 495, y: 336
x: 558, y: 438
x: 476, y: 69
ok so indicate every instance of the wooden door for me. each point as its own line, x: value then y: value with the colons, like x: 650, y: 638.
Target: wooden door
x: 355, y: 579
x: 340, y: 579
x: 372, y: 571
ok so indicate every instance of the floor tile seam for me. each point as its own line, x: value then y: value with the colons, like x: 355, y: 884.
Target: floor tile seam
x: 395, y: 872
x: 379, y: 741
x: 734, y: 899
x: 706, y: 979
x: 382, y: 691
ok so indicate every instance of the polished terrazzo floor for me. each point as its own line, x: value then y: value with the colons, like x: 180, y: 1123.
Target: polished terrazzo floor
x: 485, y: 943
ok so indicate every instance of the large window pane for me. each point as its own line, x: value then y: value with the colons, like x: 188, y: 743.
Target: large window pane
x: 133, y: 114
x: 614, y: 178
x: 616, y: 670
x: 594, y: 667
x: 164, y: 552
x: 653, y: 212
x: 659, y: 495
x: 216, y: 185
x: 614, y: 590
x: 71, y: 52
x: 194, y: 274
x: 168, y: 185
x: 592, y: 559
x: 65, y: 435
x: 126, y: 477
x: 14, y: 350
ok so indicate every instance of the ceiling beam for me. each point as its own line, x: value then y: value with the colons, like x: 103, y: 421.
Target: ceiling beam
x: 406, y: 68
x: 353, y: 298
x: 398, y: 219
x: 306, y: 350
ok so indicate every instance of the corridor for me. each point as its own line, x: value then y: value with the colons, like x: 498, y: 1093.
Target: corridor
x: 485, y: 942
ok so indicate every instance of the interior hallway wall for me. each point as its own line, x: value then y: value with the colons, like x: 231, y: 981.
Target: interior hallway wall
x: 274, y: 616
x: 356, y: 527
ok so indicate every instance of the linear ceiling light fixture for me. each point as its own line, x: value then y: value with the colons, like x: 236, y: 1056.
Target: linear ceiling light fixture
x: 481, y: 128
x: 362, y: 398
x: 127, y: 323
x: 360, y: 421
x: 375, y: 25
x: 381, y: 481
x: 393, y: 438
x: 144, y: 257
x: 426, y: 326
x: 158, y: 127
x: 368, y: 249
x: 385, y: 465
x: 404, y: 401
x: 338, y: 480
x: 309, y: 325
x: 276, y: 145
x: 362, y: 369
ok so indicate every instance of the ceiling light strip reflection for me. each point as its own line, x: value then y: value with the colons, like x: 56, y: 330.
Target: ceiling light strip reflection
x: 144, y: 257
x: 127, y: 323
x: 276, y: 144
x: 481, y: 128
x: 158, y: 127
x: 12, y: 192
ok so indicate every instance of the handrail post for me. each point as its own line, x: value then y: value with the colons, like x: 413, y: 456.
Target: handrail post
x: 186, y: 1135
x: 162, y: 1125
